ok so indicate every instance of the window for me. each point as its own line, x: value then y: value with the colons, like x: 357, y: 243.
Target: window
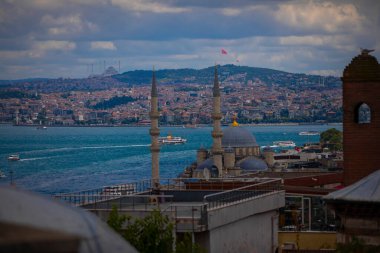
x: 363, y: 114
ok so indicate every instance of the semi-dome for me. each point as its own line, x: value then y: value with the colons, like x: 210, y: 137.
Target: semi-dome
x: 252, y: 164
x: 209, y: 165
x: 238, y: 137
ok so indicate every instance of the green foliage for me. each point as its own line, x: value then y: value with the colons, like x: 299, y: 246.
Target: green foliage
x: 115, y: 220
x: 333, y: 139
x: 113, y: 102
x: 187, y: 246
x: 357, y: 245
x: 151, y: 234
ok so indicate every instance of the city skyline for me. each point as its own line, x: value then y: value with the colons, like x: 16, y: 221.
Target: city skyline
x: 76, y: 38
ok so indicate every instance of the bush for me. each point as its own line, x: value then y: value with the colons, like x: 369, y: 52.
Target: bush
x: 151, y: 234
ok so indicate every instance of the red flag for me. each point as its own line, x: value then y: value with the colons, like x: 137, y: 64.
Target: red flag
x: 223, y: 51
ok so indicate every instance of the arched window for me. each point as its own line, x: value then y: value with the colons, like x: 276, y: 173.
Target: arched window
x: 363, y: 114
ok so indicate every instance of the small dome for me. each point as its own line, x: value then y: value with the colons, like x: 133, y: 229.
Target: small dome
x: 238, y: 137
x: 209, y: 165
x: 253, y: 164
x: 362, y: 67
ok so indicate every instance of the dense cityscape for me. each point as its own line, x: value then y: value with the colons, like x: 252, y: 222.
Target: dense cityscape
x: 190, y: 126
x: 273, y: 97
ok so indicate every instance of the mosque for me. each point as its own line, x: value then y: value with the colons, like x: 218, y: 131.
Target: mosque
x: 234, y: 150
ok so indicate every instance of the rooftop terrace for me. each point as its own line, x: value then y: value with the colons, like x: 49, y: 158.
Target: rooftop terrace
x: 194, y: 204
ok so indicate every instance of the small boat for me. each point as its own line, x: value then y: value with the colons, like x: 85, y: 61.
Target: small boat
x: 42, y: 128
x: 309, y: 133
x: 283, y: 144
x: 13, y: 158
x: 171, y: 140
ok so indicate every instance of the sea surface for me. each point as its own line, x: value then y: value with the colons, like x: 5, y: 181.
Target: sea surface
x: 67, y: 159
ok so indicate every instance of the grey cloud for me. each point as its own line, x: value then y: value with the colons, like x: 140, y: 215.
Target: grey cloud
x: 248, y: 29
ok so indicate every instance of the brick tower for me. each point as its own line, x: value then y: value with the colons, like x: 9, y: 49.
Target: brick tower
x: 361, y: 120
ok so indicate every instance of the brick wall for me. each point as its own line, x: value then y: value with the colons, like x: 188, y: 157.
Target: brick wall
x: 361, y: 142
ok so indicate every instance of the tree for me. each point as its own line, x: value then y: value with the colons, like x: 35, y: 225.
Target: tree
x: 115, y: 220
x: 333, y: 139
x: 153, y: 233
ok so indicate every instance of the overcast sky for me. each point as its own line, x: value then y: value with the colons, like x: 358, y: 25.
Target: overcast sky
x: 70, y: 38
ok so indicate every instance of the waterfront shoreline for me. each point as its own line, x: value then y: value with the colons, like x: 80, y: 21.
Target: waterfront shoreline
x: 78, y: 158
x: 182, y: 126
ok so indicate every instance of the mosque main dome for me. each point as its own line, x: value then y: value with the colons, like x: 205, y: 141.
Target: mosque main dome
x: 238, y: 137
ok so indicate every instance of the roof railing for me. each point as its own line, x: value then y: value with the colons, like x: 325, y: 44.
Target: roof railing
x: 220, y: 199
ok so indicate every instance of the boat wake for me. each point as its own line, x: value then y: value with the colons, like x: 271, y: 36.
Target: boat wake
x: 121, y: 146
x: 82, y: 148
x: 34, y: 158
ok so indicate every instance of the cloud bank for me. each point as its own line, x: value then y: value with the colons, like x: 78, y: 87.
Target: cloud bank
x: 53, y: 38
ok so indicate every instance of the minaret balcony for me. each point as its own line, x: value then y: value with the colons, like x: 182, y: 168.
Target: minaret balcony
x: 216, y: 116
x: 154, y: 115
x: 217, y: 151
x: 154, y: 131
x: 217, y: 134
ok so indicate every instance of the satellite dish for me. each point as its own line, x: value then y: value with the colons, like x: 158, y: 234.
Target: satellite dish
x: 206, y: 174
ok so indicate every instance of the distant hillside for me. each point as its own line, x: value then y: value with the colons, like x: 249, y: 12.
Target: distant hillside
x: 227, y: 73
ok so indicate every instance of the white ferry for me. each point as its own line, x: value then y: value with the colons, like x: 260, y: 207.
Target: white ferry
x: 284, y: 144
x: 309, y: 133
x: 171, y: 140
x: 13, y: 158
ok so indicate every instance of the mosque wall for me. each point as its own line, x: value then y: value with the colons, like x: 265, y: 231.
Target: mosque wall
x: 229, y: 160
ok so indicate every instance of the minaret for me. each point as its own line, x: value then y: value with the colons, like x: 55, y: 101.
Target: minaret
x: 217, y: 133
x: 154, y: 133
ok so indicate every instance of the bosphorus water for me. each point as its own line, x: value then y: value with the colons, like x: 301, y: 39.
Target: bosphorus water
x: 66, y: 159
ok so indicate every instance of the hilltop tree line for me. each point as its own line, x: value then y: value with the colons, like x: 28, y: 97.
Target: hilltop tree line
x: 242, y: 74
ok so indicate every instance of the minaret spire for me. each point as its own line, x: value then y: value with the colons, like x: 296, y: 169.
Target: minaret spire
x: 154, y: 133
x: 216, y: 89
x: 217, y: 133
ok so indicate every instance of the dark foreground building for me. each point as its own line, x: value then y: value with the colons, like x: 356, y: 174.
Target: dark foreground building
x: 361, y: 119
